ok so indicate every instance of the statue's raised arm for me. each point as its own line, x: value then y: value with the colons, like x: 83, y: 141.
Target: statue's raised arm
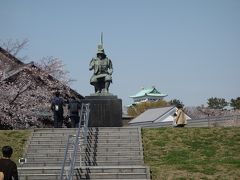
x: 91, y: 64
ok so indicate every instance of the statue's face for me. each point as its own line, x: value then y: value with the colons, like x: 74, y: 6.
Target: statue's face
x: 100, y: 56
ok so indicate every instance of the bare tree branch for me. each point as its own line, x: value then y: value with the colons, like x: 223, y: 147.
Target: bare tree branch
x: 55, y: 68
x: 21, y: 91
x: 15, y: 46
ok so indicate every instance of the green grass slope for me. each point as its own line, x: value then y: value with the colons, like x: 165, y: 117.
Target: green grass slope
x: 192, y: 153
x: 16, y: 139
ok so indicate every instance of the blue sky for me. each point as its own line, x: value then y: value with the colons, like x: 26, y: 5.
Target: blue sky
x: 189, y: 49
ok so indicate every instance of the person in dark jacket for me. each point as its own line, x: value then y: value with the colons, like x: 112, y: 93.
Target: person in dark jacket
x: 57, y: 108
x: 8, y: 168
x: 74, y: 107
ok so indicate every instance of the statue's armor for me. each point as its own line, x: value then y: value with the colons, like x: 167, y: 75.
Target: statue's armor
x: 102, y: 69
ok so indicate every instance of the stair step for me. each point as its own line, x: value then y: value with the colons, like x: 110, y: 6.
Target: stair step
x: 106, y: 176
x: 64, y: 137
x: 102, y: 129
x: 103, y: 153
x: 133, y: 142
x: 90, y: 163
x: 93, y: 141
x: 85, y: 169
x: 99, y: 149
x: 96, y: 158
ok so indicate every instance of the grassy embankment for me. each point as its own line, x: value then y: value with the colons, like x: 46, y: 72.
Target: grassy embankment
x: 192, y: 153
x: 16, y: 139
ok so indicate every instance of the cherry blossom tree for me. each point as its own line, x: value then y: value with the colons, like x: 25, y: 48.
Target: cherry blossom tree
x: 26, y: 91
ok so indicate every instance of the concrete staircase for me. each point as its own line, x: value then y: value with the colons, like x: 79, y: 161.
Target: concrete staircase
x: 112, y: 153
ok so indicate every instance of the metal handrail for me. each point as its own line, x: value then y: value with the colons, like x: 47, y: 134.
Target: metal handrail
x: 84, y: 116
x: 65, y: 157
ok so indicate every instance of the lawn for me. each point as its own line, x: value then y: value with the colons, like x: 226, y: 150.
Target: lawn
x: 192, y: 153
x: 16, y: 139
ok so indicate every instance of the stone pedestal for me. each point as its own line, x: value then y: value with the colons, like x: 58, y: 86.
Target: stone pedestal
x: 105, y: 111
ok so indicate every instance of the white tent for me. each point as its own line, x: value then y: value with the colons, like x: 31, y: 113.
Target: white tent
x: 155, y: 116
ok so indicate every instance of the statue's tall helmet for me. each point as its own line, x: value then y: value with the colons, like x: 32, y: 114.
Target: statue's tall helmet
x: 100, y: 49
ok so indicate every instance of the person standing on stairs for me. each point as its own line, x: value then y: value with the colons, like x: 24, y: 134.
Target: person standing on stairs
x: 74, y: 107
x: 57, y: 109
x: 8, y: 168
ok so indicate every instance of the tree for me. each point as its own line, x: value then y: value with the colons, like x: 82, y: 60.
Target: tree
x: 26, y: 96
x: 14, y: 47
x: 56, y: 68
x: 235, y: 103
x: 176, y: 102
x: 139, y: 108
x: 26, y: 91
x: 51, y: 65
x: 217, y: 103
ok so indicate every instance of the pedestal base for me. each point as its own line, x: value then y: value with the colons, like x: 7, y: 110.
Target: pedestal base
x: 105, y: 111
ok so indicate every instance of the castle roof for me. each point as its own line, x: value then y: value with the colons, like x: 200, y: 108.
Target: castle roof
x: 148, y: 92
